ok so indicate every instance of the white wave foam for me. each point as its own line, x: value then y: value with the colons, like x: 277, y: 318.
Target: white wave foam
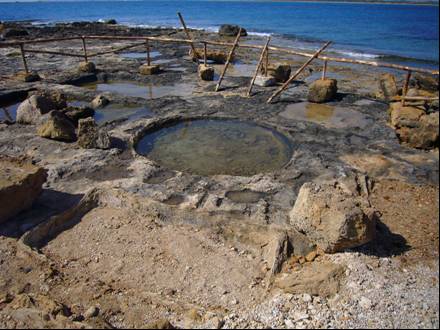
x: 358, y: 55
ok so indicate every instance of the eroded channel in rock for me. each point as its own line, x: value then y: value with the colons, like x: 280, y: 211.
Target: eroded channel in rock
x: 210, y: 147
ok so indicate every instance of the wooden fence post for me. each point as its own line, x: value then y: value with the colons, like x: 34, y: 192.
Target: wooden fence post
x: 258, y: 66
x: 189, y: 37
x: 23, y: 57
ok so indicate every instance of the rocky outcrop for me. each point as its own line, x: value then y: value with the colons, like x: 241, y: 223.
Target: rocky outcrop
x: 206, y: 72
x: 57, y: 126
x: 14, y: 33
x: 321, y: 91
x: 387, y: 87
x: 20, y: 184
x: 229, y: 30
x: 319, y: 279
x: 414, y: 127
x: 426, y: 82
x: 281, y: 72
x: 90, y: 136
x: 333, y: 216
x: 31, y: 109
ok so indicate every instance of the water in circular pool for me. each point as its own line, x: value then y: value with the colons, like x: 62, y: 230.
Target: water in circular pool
x: 210, y: 147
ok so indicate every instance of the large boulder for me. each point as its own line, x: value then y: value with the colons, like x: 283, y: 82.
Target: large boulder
x: 332, y: 216
x: 229, y: 30
x: 321, y: 91
x: 56, y: 126
x: 31, y: 109
x: 424, y: 134
x: 281, y: 72
x: 401, y: 116
x: 20, y: 184
x: 90, y: 136
x: 414, y: 127
x: 388, y: 89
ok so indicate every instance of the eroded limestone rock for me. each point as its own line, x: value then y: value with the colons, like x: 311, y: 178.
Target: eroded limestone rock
x: 387, y: 87
x: 146, y: 69
x: 332, y: 216
x: 57, y: 126
x: 99, y: 102
x: 90, y: 136
x: 87, y: 67
x: 321, y: 91
x: 281, y: 72
x: 321, y: 279
x: 31, y: 109
x: 414, y: 127
x: 206, y: 72
x: 20, y: 184
x: 264, y: 81
x: 77, y: 113
x: 216, y: 56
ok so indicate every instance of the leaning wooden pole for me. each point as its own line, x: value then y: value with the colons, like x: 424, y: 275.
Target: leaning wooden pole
x: 231, y: 52
x: 85, y: 49
x: 260, y: 62
x: 188, y: 35
x: 23, y: 58
x: 297, y: 73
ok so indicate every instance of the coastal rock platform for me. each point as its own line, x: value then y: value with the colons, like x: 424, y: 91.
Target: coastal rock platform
x: 117, y: 240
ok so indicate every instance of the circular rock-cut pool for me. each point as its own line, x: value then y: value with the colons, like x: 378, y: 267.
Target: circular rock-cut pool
x: 209, y: 147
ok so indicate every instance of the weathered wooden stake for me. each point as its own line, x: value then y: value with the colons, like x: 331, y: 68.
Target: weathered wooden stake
x: 189, y: 37
x: 231, y: 52
x: 324, y: 70
x: 405, y: 87
x: 147, y: 44
x: 266, y: 71
x: 85, y: 49
x: 258, y: 67
x: 23, y: 57
x: 286, y: 84
x: 205, y: 54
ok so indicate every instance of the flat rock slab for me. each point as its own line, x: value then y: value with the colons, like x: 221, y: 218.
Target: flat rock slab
x: 321, y: 279
x: 20, y: 184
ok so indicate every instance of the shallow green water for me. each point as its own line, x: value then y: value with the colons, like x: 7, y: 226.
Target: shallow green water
x: 209, y: 147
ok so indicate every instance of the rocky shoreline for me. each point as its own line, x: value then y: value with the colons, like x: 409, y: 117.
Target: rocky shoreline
x: 345, y: 234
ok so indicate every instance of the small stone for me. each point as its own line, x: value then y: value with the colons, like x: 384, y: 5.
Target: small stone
x: 289, y: 324
x: 280, y: 72
x: 387, y: 87
x: 99, y: 102
x: 307, y: 298
x: 301, y: 260
x: 146, y: 69
x: 311, y: 256
x: 365, y: 303
x: 264, y: 81
x: 93, y: 311
x: 206, y: 72
x: 87, y: 67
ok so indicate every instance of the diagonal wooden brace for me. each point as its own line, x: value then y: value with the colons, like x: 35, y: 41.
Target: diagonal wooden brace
x: 231, y: 52
x: 297, y: 73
